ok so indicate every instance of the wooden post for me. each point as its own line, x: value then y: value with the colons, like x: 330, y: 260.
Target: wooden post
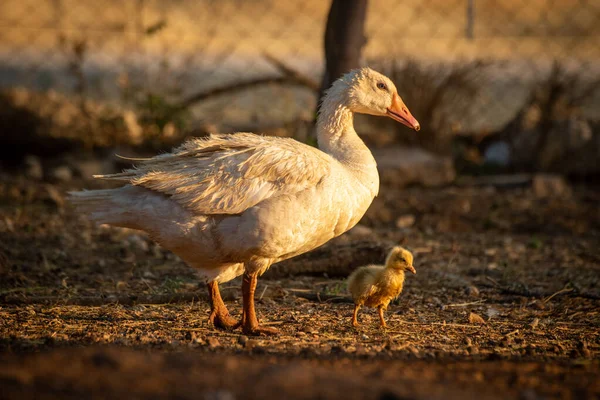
x: 470, y: 26
x: 344, y: 39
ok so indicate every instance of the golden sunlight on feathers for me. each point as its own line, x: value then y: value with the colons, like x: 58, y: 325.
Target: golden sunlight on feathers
x: 378, y: 285
x: 236, y: 204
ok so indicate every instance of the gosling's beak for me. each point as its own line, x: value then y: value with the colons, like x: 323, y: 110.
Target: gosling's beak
x: 412, y: 269
x: 400, y: 113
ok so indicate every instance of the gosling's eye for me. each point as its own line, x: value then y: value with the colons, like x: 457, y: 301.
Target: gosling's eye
x: 381, y: 85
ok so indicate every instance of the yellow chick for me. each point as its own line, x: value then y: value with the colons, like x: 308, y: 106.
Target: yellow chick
x: 377, y: 285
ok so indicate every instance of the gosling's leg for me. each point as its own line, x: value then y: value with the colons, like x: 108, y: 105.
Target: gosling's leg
x: 219, y: 315
x: 381, y: 320
x: 355, y: 315
x: 250, y: 324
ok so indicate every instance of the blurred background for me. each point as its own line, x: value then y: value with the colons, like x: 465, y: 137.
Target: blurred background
x: 496, y: 196
x: 512, y: 84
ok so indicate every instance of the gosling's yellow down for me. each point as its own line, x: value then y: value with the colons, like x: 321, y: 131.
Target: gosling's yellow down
x: 377, y: 285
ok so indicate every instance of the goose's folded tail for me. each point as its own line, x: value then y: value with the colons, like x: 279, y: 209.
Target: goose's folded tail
x: 101, y: 206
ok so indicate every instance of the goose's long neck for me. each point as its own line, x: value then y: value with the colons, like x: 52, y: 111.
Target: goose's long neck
x: 336, y: 136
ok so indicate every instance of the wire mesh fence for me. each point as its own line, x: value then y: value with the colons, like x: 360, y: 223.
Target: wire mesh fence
x: 182, y: 47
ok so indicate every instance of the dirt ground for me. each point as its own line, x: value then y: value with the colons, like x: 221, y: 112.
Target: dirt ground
x: 505, y: 304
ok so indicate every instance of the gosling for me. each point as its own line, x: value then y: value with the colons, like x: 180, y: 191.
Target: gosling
x: 377, y: 285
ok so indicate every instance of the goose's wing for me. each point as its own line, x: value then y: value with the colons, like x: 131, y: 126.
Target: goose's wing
x: 227, y: 174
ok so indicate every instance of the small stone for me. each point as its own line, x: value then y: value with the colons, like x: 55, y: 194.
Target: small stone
x: 401, y: 166
x: 546, y: 185
x: 54, y: 196
x: 361, y: 230
x: 497, y: 153
x: 405, y: 221
x: 242, y: 339
x: 491, y: 252
x: 476, y: 319
x: 7, y: 225
x: 251, y: 344
x: 62, y: 174
x: 414, y: 351
x: 134, y: 129
x: 148, y: 274
x: 169, y: 130
x: 472, y: 291
x: 491, y: 312
x: 33, y: 167
x: 213, y: 342
x: 138, y: 242
x: 534, y: 324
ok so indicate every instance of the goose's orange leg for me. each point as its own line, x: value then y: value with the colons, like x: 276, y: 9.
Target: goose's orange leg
x: 219, y: 315
x: 250, y: 324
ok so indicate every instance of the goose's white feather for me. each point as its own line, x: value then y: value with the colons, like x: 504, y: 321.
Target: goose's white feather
x: 227, y: 174
x: 233, y: 202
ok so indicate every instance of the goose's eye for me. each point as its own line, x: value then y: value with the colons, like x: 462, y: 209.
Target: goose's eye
x: 381, y: 86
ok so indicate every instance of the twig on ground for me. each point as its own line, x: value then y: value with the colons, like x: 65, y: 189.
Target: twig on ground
x: 321, y: 297
x: 465, y: 304
x: 443, y: 324
x: 263, y: 292
x: 563, y: 290
x: 273, y: 323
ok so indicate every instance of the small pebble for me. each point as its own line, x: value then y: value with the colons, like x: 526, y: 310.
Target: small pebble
x: 534, y: 324
x: 476, y: 319
x: 33, y: 167
x: 62, y: 174
x: 405, y: 221
x: 472, y: 291
x: 251, y: 344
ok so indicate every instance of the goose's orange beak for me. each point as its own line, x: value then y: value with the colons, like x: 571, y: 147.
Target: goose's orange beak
x: 400, y: 113
x: 410, y: 267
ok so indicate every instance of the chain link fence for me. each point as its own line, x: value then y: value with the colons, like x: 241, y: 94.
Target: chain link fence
x: 183, y: 47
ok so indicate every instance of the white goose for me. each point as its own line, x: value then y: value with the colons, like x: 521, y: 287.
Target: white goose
x: 236, y: 204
